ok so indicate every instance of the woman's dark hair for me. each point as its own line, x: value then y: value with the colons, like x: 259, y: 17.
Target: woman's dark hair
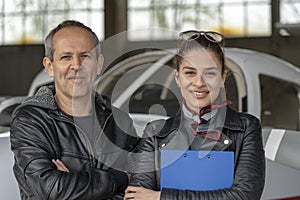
x: 200, y: 43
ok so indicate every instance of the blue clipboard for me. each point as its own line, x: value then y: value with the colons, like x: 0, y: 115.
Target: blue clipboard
x: 196, y: 170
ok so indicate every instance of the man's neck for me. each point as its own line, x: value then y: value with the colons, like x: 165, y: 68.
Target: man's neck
x: 75, y: 106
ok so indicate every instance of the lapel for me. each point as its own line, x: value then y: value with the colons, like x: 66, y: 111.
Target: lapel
x: 170, y: 136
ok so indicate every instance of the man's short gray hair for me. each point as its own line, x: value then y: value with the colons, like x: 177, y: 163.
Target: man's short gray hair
x: 48, y: 44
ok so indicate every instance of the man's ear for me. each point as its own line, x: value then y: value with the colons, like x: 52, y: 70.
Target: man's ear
x: 100, y: 64
x: 48, y: 66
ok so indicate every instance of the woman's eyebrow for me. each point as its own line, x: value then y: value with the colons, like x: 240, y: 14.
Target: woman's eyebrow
x: 211, y: 68
x: 189, y: 68
x: 205, y: 69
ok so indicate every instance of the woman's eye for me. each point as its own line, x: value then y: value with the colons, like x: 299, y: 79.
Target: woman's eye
x: 210, y: 74
x: 190, y: 73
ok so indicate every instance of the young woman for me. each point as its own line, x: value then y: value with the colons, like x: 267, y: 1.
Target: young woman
x: 204, y: 122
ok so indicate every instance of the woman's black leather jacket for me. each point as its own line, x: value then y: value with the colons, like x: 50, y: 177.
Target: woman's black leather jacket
x: 241, y: 133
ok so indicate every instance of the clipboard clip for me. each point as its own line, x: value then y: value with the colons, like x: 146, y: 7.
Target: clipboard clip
x: 201, y: 155
x: 204, y: 154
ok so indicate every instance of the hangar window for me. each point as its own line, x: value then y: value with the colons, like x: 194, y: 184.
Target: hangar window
x: 28, y: 21
x: 290, y: 11
x: 234, y: 18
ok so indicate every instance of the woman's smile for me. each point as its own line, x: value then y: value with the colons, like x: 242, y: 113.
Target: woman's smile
x: 199, y: 94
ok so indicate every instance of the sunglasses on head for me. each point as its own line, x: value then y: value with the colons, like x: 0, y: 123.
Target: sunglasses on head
x: 209, y: 35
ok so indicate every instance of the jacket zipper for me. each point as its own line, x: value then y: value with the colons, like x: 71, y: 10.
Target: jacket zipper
x: 89, y: 145
x: 102, y: 129
x: 166, y: 140
x: 82, y: 134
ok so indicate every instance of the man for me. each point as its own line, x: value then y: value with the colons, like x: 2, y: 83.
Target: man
x: 66, y: 141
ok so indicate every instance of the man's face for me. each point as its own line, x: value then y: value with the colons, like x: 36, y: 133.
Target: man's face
x: 75, y: 65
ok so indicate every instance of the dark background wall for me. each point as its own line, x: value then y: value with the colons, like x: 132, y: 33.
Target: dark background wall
x: 18, y: 65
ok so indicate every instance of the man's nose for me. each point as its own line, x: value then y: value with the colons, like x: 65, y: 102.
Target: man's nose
x: 76, y: 63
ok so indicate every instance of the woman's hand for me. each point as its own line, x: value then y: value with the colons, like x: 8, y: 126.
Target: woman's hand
x: 141, y: 193
x: 60, y: 165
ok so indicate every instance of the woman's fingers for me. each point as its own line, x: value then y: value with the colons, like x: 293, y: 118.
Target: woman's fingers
x: 141, y: 193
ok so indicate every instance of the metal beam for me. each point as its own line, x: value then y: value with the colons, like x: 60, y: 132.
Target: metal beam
x: 115, y: 17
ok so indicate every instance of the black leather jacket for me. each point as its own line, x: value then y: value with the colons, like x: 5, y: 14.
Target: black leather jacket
x: 40, y: 132
x: 241, y: 134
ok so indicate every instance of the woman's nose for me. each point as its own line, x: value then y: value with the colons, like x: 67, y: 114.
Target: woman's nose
x: 199, y: 80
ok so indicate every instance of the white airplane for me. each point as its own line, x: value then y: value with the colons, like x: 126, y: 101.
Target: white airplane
x: 257, y: 83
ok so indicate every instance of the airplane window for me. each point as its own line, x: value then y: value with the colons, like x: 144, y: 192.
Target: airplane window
x: 118, y: 81
x: 158, y: 95
x: 149, y: 95
x: 158, y: 89
x: 280, y: 103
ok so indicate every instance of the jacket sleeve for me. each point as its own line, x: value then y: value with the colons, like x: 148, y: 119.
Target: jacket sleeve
x: 144, y: 169
x: 33, y: 153
x: 249, y: 174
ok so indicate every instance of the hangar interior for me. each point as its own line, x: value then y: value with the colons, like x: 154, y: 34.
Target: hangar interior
x: 275, y: 29
x: 131, y: 27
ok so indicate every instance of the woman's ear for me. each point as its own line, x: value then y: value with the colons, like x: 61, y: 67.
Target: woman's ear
x: 224, y: 76
x: 48, y: 66
x: 176, y: 76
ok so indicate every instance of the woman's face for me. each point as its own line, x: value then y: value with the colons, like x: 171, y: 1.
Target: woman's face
x: 199, y: 78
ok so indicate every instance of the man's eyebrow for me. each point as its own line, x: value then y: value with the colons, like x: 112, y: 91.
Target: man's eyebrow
x: 65, y: 53
x: 87, y: 51
x: 70, y: 53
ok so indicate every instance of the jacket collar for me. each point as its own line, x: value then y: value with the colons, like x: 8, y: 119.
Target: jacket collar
x: 232, y: 122
x: 44, y: 98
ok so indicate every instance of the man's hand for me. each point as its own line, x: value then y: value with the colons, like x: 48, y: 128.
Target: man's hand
x: 141, y: 193
x: 60, y: 165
